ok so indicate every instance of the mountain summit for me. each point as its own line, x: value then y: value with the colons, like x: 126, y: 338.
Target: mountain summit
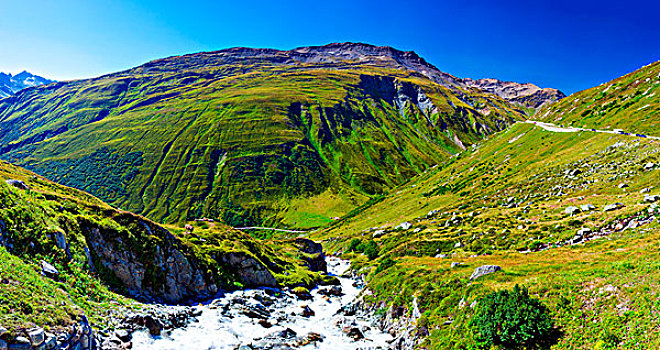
x: 9, y: 85
x: 527, y: 94
x: 254, y: 136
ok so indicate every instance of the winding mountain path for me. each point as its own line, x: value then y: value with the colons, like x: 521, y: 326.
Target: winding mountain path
x: 269, y: 228
x: 559, y: 128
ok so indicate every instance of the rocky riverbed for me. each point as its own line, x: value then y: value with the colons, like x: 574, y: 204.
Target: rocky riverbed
x: 276, y: 319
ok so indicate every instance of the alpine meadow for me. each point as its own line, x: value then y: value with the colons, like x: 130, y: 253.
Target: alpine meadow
x: 342, y: 196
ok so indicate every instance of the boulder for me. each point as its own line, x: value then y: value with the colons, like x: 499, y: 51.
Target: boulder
x: 587, y: 207
x: 315, y: 257
x: 403, y: 226
x: 3, y: 332
x: 307, y: 311
x: 20, y: 343
x: 49, y: 270
x: 311, y: 337
x: 649, y: 166
x: 484, y: 270
x: 613, y: 206
x: 51, y: 342
x: 36, y: 336
x: 623, y: 185
x: 572, y: 210
x: 651, y: 198
x: 123, y: 335
x: 153, y: 325
x: 354, y: 333
x: 18, y: 184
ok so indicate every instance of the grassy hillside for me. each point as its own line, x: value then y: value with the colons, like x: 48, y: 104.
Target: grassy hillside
x: 245, y: 142
x: 503, y: 203
x: 47, y: 222
x: 631, y: 103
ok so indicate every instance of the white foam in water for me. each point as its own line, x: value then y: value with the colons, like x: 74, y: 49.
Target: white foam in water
x: 215, y: 331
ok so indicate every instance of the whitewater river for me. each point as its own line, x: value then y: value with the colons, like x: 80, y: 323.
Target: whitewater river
x: 224, y: 325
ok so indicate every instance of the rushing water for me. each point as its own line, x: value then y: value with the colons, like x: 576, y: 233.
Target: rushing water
x: 220, y: 326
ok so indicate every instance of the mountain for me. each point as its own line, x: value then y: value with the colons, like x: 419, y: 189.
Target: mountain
x: 251, y: 136
x: 528, y: 95
x: 65, y: 253
x: 631, y: 102
x: 570, y: 213
x: 9, y: 85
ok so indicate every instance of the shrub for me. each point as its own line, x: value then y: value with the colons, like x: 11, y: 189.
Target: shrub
x: 353, y: 245
x: 513, y: 320
x: 385, y: 264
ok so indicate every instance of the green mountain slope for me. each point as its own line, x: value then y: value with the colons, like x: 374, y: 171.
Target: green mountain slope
x: 504, y: 203
x: 249, y: 136
x: 102, y: 256
x: 631, y: 103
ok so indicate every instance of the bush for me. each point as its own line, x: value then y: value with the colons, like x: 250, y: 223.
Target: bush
x: 385, y: 264
x: 513, y: 320
x: 355, y: 242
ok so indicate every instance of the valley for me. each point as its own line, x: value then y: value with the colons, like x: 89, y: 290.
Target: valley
x: 343, y: 196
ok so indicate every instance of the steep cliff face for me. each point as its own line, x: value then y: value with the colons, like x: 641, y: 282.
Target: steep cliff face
x: 159, y: 269
x: 528, y: 95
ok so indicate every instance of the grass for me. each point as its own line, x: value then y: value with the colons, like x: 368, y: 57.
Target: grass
x: 471, y: 222
x: 240, y: 142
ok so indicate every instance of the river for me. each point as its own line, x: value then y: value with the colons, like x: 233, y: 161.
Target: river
x: 230, y: 322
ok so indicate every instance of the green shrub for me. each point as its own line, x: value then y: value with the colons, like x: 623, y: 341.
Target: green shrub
x: 355, y: 242
x: 513, y: 320
x: 385, y: 264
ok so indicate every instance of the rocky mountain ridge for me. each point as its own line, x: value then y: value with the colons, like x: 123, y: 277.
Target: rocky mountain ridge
x: 526, y: 94
x: 11, y: 84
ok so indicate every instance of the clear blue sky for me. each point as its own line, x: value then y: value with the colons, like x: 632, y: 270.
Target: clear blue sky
x: 570, y: 45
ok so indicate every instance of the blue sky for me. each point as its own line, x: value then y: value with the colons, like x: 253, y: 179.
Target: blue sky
x: 570, y: 45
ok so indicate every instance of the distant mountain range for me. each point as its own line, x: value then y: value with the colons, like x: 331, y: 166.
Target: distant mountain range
x: 9, y: 85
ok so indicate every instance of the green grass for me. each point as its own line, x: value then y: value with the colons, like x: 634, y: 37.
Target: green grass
x: 246, y: 143
x: 631, y: 103
x: 526, y: 163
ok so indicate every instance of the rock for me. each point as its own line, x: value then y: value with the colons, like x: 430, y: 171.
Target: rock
x: 456, y: 264
x: 651, y: 198
x: 307, y: 311
x: 645, y: 190
x: 484, y: 270
x: 354, y: 333
x: 20, y: 343
x: 572, y: 210
x: 18, y: 184
x: 251, y: 272
x: 333, y: 291
x: 623, y: 185
x: 36, y: 336
x: 49, y: 270
x: 458, y: 245
x: 649, y: 166
x: 123, y: 335
x: 613, y: 206
x: 587, y: 207
x: 315, y: 257
x: 311, y: 337
x: 152, y: 325
x: 403, y: 226
x: 584, y: 231
x: 51, y: 342
x: 3, y: 332
x: 264, y: 323
x: 378, y: 233
x: 302, y: 293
